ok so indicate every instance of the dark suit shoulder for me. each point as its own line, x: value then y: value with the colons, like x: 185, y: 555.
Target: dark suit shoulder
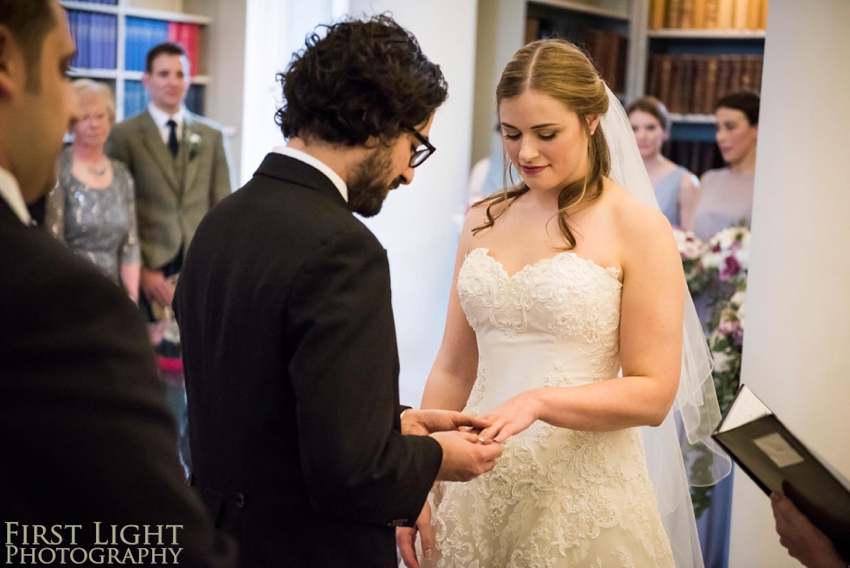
x: 294, y: 211
x: 51, y: 291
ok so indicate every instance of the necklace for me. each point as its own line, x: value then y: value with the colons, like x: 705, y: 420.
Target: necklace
x: 95, y: 171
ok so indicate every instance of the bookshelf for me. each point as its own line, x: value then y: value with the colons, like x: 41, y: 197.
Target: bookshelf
x: 707, y: 34
x: 586, y: 8
x: 603, y: 31
x: 112, y: 40
x: 696, y: 52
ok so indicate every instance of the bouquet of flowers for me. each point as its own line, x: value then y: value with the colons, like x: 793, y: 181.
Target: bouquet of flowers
x: 691, y: 250
x: 727, y: 256
x: 719, y: 270
x: 726, y: 342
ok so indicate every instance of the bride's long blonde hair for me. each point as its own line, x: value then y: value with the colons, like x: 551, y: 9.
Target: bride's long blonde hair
x: 561, y: 70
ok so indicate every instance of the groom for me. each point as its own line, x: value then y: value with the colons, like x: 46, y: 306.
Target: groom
x: 299, y: 447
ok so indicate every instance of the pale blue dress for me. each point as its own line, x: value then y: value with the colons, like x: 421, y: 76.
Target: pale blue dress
x: 667, y: 191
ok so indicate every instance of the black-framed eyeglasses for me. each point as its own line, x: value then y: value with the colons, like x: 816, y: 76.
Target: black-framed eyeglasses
x: 422, y: 153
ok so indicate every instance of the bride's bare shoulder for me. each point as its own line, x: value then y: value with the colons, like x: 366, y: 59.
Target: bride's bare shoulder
x: 637, y: 220
x: 478, y: 213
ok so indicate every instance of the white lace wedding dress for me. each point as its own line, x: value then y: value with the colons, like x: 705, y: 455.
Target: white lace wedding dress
x: 556, y: 497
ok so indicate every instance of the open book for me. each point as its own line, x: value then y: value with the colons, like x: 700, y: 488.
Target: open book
x: 778, y: 462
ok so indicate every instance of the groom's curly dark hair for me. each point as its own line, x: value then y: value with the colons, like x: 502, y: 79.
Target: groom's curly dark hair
x: 362, y: 79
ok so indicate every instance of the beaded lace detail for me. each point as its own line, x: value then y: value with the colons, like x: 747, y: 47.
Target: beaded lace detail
x: 556, y: 497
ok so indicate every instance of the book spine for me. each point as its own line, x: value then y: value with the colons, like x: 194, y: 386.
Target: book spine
x: 658, y: 11
x: 113, y: 42
x: 665, y: 78
x: 699, y: 14
x: 753, y: 14
x: 686, y: 16
x: 725, y: 14
x: 739, y: 18
x: 674, y: 13
x: 710, y: 92
x: 712, y: 12
x: 532, y: 29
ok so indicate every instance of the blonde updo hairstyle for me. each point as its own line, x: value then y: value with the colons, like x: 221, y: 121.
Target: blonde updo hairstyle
x: 85, y: 88
x: 561, y: 70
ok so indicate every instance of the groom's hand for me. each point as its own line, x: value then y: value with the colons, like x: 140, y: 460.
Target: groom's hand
x: 424, y: 422
x: 405, y: 538
x: 464, y: 457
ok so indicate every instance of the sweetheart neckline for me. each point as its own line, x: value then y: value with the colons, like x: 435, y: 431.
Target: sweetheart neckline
x: 610, y: 270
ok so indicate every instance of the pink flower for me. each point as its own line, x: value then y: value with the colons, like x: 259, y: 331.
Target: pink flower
x: 738, y: 336
x: 731, y: 267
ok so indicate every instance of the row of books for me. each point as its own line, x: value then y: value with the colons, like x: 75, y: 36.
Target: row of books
x: 692, y: 84
x: 96, y: 36
x: 188, y: 36
x: 608, y: 50
x: 143, y: 34
x: 136, y: 98
x: 696, y: 155
x: 709, y: 14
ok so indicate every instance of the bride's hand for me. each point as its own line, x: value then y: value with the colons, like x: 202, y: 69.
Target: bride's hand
x: 512, y: 417
x: 405, y: 538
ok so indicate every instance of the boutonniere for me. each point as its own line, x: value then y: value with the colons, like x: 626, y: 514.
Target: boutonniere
x: 194, y: 144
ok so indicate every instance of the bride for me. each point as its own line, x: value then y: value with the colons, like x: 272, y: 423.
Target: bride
x: 565, y: 330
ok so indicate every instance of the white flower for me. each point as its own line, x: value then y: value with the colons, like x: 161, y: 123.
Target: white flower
x: 722, y: 361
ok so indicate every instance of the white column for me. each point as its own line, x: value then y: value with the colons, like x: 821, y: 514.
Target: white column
x: 416, y: 225
x: 798, y: 309
x: 275, y: 30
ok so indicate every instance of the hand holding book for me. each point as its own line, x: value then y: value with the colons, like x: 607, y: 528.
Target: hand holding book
x: 780, y: 464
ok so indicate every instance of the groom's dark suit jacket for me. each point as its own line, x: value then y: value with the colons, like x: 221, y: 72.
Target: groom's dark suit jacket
x: 85, y: 434
x: 292, y: 377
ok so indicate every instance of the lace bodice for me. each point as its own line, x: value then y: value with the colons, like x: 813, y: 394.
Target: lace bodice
x: 556, y: 497
x: 565, y: 308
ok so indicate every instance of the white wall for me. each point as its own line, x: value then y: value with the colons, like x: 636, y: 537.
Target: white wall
x: 224, y: 48
x: 416, y: 225
x: 798, y: 309
x: 275, y: 30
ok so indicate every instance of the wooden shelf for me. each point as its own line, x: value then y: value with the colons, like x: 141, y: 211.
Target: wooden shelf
x: 585, y: 8
x: 693, y: 118
x: 137, y: 76
x: 138, y: 12
x: 167, y: 16
x: 706, y: 34
x: 94, y: 73
x: 90, y: 7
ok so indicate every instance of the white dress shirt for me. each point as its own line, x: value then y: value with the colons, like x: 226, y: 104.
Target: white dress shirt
x: 318, y: 164
x: 10, y: 191
x: 161, y: 118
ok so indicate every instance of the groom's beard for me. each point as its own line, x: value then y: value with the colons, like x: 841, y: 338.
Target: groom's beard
x: 369, y: 185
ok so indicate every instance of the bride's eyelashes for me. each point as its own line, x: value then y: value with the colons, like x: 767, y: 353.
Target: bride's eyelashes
x: 544, y: 137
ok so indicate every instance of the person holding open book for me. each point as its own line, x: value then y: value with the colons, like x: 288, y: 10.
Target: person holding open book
x: 804, y: 540
x: 676, y: 188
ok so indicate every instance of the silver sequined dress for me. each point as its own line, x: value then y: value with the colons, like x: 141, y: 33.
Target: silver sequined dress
x: 99, y: 224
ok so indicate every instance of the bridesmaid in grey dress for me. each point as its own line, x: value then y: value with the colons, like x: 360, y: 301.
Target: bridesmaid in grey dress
x: 676, y: 189
x: 727, y: 193
x: 92, y: 207
x: 727, y: 200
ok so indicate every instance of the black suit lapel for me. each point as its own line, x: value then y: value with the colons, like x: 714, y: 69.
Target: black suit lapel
x: 297, y: 172
x: 7, y: 216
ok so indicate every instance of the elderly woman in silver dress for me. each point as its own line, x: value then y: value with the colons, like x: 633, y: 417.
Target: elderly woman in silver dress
x: 92, y: 208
